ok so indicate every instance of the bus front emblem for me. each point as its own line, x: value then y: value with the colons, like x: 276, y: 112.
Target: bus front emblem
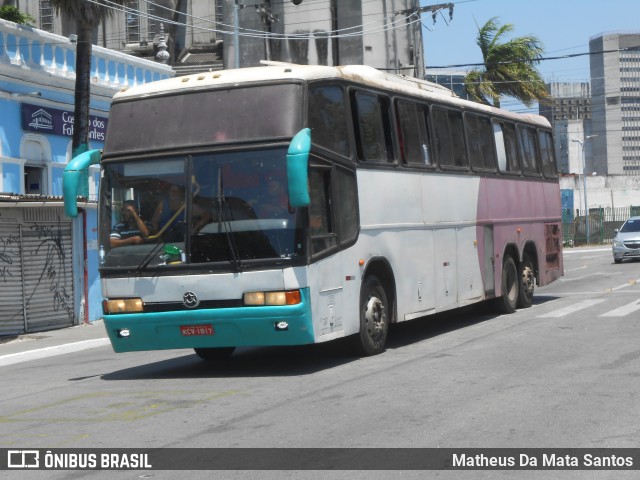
x: 190, y: 300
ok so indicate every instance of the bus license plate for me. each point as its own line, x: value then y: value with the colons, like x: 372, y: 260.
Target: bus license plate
x: 192, y: 330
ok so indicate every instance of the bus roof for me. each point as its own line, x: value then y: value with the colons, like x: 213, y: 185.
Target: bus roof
x: 358, y: 74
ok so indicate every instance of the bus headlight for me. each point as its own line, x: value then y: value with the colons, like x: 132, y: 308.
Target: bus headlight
x: 288, y: 297
x: 122, y: 305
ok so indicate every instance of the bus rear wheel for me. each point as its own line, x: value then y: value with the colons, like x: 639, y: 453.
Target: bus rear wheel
x: 528, y: 282
x: 213, y: 354
x: 374, y: 318
x: 508, y: 302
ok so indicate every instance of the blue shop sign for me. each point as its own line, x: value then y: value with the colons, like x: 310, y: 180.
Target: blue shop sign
x: 36, y: 118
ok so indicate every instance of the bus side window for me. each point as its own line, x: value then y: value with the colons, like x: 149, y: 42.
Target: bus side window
x: 450, y: 138
x: 529, y: 151
x: 345, y: 191
x: 480, y: 145
x: 373, y: 133
x: 323, y: 236
x: 548, y: 155
x: 413, y: 133
x: 328, y: 118
x: 504, y: 135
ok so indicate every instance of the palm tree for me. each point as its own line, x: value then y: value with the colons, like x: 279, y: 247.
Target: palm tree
x: 508, y: 67
x: 11, y: 13
x: 87, y: 15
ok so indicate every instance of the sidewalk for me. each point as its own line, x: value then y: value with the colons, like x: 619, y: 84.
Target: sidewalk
x: 52, y: 342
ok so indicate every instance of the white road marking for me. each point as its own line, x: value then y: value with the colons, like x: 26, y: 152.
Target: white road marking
x: 624, y: 310
x: 572, y: 308
x: 14, y: 358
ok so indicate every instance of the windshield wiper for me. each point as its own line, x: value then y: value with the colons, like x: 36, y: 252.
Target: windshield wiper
x: 226, y: 224
x: 152, y: 253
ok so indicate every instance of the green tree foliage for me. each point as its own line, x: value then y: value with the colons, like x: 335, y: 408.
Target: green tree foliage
x: 509, y: 67
x: 87, y: 15
x: 11, y: 13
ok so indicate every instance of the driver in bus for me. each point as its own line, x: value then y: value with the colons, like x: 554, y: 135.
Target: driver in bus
x: 170, y: 213
x: 132, y: 230
x: 275, y: 202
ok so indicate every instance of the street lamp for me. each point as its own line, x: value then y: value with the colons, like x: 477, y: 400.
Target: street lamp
x: 584, y: 184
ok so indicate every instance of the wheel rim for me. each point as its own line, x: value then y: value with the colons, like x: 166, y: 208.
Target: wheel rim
x: 375, y: 318
x: 528, y: 280
x: 512, y: 284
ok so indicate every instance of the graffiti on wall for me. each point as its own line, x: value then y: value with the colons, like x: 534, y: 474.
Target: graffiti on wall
x: 50, y: 277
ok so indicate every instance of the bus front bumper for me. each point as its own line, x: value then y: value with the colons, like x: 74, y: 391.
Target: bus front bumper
x: 210, y: 328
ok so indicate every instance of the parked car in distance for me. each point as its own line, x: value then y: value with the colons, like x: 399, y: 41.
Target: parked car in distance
x: 626, y: 243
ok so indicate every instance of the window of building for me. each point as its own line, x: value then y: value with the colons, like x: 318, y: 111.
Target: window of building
x: 132, y: 17
x: 46, y: 16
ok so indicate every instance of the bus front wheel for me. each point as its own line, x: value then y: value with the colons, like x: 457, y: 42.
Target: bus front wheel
x: 374, y: 318
x: 508, y: 302
x: 213, y: 354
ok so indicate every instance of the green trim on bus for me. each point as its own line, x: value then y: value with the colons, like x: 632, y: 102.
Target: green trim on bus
x: 232, y: 327
x: 74, y: 173
x: 297, y: 170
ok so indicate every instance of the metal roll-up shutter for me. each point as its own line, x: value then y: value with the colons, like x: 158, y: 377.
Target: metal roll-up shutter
x: 11, y: 304
x: 47, y: 268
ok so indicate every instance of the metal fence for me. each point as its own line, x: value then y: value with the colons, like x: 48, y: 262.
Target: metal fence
x: 603, y: 223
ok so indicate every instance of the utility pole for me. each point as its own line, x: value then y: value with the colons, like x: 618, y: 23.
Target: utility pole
x: 267, y: 17
x: 236, y: 33
x: 417, y: 11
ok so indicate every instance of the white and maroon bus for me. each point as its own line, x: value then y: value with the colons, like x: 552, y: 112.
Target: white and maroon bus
x: 391, y: 199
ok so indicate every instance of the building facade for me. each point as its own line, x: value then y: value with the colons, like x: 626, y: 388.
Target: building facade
x: 568, y: 109
x: 48, y: 262
x: 385, y: 34
x: 201, y: 34
x: 615, y: 86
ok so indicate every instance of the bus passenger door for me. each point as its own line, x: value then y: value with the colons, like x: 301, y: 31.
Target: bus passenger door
x: 325, y: 271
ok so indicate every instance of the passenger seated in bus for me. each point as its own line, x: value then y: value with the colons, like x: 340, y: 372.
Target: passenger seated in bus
x: 169, y: 215
x: 132, y: 230
x: 274, y: 203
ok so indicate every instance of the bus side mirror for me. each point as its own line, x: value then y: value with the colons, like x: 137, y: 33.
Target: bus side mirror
x: 75, y: 178
x: 297, y: 169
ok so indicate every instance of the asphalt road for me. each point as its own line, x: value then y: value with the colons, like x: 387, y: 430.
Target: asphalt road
x: 561, y: 374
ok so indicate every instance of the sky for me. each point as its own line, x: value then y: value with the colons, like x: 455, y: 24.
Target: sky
x: 563, y: 26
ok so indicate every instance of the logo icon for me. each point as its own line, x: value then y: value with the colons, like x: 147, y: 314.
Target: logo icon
x: 190, y: 300
x: 41, y: 120
x: 23, y: 459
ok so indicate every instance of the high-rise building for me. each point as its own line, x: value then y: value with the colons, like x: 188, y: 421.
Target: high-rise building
x: 568, y: 109
x: 615, y: 87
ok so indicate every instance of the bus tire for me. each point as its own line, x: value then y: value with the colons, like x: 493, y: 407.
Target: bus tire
x: 508, y: 302
x: 213, y: 354
x: 527, y: 283
x: 374, y: 318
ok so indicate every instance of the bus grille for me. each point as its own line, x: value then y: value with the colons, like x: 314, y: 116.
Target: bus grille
x: 157, y: 307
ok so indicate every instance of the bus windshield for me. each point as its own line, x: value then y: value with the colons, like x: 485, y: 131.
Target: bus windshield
x: 228, y: 209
